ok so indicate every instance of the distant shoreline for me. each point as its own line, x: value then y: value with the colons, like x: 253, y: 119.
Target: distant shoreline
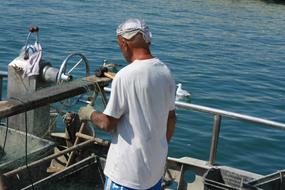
x: 274, y: 1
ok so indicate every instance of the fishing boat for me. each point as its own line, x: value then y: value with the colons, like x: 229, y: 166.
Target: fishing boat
x: 77, y: 154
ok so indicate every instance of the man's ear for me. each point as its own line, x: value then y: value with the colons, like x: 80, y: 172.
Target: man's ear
x: 124, y: 42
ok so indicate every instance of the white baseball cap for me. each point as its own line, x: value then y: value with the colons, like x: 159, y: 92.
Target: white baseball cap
x: 131, y: 27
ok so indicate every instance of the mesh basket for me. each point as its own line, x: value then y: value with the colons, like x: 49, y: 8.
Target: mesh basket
x: 220, y: 178
x: 15, y: 148
x: 275, y: 181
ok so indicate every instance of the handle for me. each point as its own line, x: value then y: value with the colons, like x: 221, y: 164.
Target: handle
x: 109, y: 75
x: 33, y: 29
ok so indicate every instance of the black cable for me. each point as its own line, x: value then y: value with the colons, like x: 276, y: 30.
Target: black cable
x: 26, y: 143
x: 5, y: 140
x: 26, y: 151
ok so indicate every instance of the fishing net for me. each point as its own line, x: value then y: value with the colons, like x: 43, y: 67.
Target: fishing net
x: 13, y: 152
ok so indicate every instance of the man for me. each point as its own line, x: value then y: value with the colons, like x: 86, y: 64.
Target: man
x: 140, y: 113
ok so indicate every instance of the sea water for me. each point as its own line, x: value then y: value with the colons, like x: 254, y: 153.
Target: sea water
x: 229, y: 54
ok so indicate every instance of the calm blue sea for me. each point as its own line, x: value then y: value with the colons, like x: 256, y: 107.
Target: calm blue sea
x: 228, y: 53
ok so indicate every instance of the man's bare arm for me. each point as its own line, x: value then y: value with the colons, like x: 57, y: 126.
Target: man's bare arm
x: 104, y: 122
x: 171, y: 124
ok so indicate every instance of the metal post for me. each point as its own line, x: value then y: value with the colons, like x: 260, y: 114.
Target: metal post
x: 1, y: 81
x: 3, y: 74
x: 215, y: 138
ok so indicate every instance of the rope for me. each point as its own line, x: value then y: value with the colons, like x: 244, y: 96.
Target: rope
x: 61, y: 112
x: 50, y: 125
x: 26, y: 151
x: 103, y: 95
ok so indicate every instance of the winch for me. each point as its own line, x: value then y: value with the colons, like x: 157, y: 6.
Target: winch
x: 29, y: 72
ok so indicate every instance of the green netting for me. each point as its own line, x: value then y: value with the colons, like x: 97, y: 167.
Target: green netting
x: 14, y: 152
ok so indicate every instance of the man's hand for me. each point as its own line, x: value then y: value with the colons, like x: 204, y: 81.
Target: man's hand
x: 85, y: 112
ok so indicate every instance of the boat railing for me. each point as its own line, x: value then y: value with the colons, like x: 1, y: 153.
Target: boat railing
x: 218, y: 114
x: 3, y: 75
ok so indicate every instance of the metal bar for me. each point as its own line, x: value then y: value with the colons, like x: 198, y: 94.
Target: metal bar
x: 1, y: 82
x: 3, y: 74
x: 107, y: 89
x: 49, y: 95
x: 215, y: 138
x: 104, y: 97
x: 100, y: 170
x: 75, y: 66
x: 181, y: 182
x: 233, y: 115
x: 224, y: 113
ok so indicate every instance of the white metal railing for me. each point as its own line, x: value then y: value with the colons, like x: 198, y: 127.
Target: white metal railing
x: 232, y: 115
x: 224, y: 113
x: 218, y: 114
x: 3, y: 74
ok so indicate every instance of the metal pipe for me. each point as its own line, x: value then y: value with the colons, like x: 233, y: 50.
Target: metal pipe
x: 3, y: 74
x: 75, y: 66
x: 232, y: 115
x: 1, y: 82
x: 107, y: 89
x: 215, y: 138
x: 49, y: 73
x: 65, y: 77
x: 217, y: 122
x: 223, y: 113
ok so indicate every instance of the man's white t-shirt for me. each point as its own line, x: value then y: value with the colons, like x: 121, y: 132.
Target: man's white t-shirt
x: 142, y: 95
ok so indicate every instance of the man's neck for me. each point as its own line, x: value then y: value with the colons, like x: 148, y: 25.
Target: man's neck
x: 141, y: 54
